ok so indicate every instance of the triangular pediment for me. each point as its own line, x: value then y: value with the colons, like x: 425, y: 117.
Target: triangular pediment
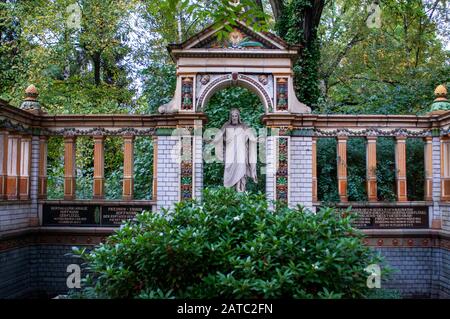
x: 241, y: 38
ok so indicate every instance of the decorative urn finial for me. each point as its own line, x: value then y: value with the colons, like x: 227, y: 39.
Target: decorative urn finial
x: 441, y: 93
x: 30, y: 102
x: 441, y: 102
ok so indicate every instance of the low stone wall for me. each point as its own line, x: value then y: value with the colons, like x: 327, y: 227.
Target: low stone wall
x: 445, y: 211
x: 36, y: 271
x: 417, y: 272
x: 35, y: 267
x: 15, y: 215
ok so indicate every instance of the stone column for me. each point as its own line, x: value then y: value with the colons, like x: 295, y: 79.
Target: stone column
x: 445, y: 168
x: 13, y: 167
x: 168, y: 161
x: 400, y: 167
x: 198, y: 160
x: 300, y: 172
x: 342, y: 167
x: 428, y: 163
x: 436, y: 220
x: 270, y: 167
x: 36, y: 162
x: 128, y: 167
x: 3, y: 163
x: 371, y: 168
x: 155, y: 168
x: 42, y: 171
x: 99, y: 167
x: 314, y: 169
x: 69, y: 167
x: 25, y: 168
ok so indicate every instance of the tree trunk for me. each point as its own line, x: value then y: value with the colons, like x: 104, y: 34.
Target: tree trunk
x: 96, y: 59
x: 311, y: 20
x: 277, y: 8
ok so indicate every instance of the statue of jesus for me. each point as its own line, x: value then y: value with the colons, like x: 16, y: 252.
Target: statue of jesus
x: 238, y: 142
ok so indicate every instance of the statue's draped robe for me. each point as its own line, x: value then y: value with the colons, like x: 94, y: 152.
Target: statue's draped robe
x: 239, y: 145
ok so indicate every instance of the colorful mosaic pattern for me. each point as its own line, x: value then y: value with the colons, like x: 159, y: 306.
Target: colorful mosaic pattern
x: 186, y: 168
x: 281, y: 186
x: 282, y: 94
x: 236, y: 39
x: 187, y: 93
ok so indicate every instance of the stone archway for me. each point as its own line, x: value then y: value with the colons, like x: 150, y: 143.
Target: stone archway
x: 220, y: 101
x: 260, y: 62
x: 220, y: 82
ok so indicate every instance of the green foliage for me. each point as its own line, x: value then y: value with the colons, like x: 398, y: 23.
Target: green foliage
x: 290, y: 27
x: 55, y: 168
x: 386, y: 170
x: 356, y: 169
x: 143, y: 173
x: 415, y: 169
x: 231, y: 246
x: 327, y: 190
x: 388, y: 70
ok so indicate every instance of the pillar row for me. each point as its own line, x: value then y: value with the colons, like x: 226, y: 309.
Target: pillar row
x: 371, y: 168
x: 128, y: 167
x: 3, y: 162
x: 69, y: 167
x: 400, y: 165
x: 99, y: 167
x: 314, y: 169
x: 25, y: 168
x: 13, y: 167
x: 342, y: 167
x: 42, y: 170
x: 428, y: 164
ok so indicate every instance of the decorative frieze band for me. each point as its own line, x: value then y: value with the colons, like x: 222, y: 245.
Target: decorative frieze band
x: 371, y: 132
x: 125, y: 131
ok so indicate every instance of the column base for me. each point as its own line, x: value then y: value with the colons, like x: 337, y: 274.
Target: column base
x: 42, y: 188
x: 69, y: 188
x: 372, y: 195
x: 128, y: 187
x: 436, y: 224
x: 99, y: 188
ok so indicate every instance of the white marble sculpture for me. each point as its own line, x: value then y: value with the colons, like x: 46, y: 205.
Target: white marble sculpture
x: 238, y: 142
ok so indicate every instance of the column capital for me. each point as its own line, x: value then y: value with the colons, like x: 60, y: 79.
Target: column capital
x: 400, y: 138
x: 342, y: 138
x: 99, y: 138
x: 129, y: 137
x: 70, y: 138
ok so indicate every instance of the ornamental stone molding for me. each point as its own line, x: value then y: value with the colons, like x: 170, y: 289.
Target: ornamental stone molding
x: 259, y: 62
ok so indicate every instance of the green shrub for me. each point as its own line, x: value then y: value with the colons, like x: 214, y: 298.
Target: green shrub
x: 231, y: 246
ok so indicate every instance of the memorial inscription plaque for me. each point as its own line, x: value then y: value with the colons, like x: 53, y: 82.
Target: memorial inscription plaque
x: 71, y: 215
x: 115, y: 215
x: 390, y: 217
x: 76, y: 215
